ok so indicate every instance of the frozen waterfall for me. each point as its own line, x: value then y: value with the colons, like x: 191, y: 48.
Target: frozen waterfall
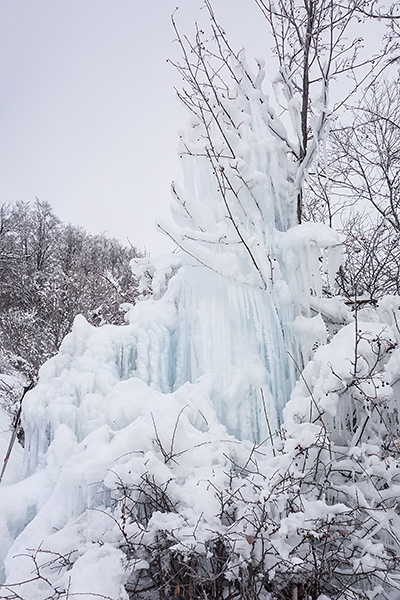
x: 212, y: 350
x: 231, y: 305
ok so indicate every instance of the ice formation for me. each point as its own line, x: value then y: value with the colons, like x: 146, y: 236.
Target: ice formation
x: 212, y: 351
x: 248, y: 271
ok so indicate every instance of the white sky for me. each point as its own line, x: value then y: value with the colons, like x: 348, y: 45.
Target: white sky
x: 88, y: 116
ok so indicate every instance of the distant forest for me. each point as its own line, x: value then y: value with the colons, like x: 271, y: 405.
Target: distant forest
x: 51, y: 271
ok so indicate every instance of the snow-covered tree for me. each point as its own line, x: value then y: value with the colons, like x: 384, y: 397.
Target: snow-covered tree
x: 365, y: 175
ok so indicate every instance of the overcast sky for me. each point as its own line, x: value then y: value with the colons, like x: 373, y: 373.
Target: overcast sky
x: 89, y: 118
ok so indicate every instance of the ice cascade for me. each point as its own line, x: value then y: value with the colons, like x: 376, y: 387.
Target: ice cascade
x: 238, y: 304
x: 212, y: 349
